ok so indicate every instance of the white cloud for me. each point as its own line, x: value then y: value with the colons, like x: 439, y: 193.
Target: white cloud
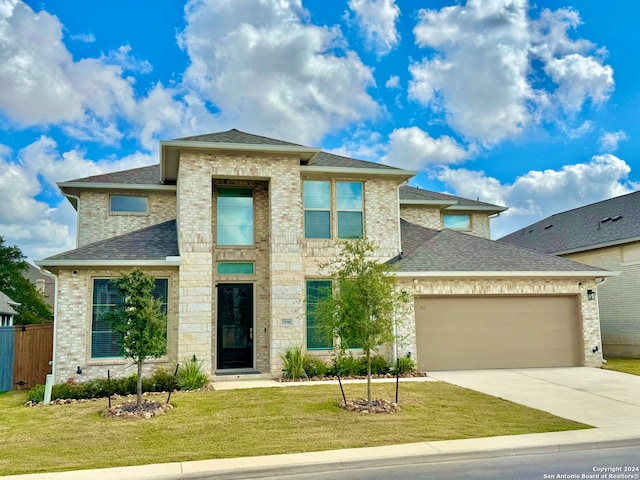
x: 413, y: 149
x: 538, y: 194
x: 271, y: 72
x: 377, y: 21
x: 37, y: 228
x: 609, y: 140
x: 43, y: 84
x: 393, y: 82
x: 483, y: 74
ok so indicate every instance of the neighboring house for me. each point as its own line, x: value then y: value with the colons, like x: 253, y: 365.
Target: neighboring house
x: 7, y: 310
x: 44, y: 283
x: 233, y: 227
x: 607, y: 235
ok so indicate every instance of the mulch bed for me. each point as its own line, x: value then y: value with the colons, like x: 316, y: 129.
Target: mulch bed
x: 148, y: 409
x: 352, y: 377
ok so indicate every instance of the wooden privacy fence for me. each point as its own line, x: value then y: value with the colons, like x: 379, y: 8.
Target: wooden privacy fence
x: 25, y: 353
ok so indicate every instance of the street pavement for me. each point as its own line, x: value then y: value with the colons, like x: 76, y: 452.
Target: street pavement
x: 605, y: 399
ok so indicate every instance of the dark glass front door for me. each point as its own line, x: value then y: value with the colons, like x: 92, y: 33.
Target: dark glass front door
x: 235, y: 326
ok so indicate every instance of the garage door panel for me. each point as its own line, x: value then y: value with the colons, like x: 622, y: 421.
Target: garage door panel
x: 497, y: 332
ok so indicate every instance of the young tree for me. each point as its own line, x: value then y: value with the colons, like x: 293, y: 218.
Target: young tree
x: 33, y: 306
x: 361, y: 311
x: 141, y: 322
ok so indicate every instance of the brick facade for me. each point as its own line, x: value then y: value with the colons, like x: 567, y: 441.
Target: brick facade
x: 96, y: 222
x: 73, y: 326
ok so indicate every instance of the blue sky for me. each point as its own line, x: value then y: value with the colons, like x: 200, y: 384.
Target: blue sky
x: 530, y: 105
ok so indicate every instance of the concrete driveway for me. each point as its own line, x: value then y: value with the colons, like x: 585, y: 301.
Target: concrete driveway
x: 601, y: 398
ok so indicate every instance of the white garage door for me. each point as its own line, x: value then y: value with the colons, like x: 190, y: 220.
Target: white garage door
x: 456, y: 333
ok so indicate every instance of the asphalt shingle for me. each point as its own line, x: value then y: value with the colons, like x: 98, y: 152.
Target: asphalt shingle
x: 152, y: 243
x: 414, y: 193
x: 610, y: 221
x: 451, y: 251
x: 6, y: 305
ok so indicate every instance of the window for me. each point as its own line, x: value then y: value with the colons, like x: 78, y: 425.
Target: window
x: 317, y: 290
x: 234, y: 224
x: 460, y: 222
x: 127, y: 204
x: 235, y: 268
x: 105, y: 342
x: 317, y: 209
x: 349, y: 202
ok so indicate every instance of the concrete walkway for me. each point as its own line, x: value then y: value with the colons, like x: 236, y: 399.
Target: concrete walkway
x: 605, y: 399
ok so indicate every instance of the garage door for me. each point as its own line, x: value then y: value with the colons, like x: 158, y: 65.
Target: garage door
x: 455, y: 333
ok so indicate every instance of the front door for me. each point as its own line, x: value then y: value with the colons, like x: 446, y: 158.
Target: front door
x: 235, y: 326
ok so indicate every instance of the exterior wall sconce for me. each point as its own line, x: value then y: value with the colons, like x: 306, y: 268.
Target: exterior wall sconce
x: 591, y: 294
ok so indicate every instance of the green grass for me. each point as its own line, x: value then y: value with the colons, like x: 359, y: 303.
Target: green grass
x: 624, y: 365
x: 236, y: 423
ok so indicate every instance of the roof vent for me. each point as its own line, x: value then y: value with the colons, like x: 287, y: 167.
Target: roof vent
x: 616, y: 218
x: 547, y: 227
x: 606, y: 219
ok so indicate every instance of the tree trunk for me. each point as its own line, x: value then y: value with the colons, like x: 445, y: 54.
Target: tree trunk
x: 139, y: 397
x: 368, y: 377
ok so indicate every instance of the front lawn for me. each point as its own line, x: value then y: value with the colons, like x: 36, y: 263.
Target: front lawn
x: 265, y: 421
x: 624, y: 365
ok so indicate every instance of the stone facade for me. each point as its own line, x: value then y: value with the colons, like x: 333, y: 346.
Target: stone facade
x: 619, y: 314
x: 73, y: 326
x: 283, y: 261
x: 96, y: 222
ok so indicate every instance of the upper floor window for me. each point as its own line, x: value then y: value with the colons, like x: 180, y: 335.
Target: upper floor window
x: 317, y: 209
x: 234, y: 222
x: 349, y: 203
x: 127, y: 204
x: 459, y: 222
x: 318, y: 218
x: 105, y: 342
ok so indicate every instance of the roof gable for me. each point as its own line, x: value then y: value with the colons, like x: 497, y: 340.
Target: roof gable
x: 417, y: 195
x: 608, y: 222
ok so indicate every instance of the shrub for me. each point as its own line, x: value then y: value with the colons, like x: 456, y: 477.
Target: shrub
x: 314, y: 367
x: 293, y: 359
x: 379, y: 365
x: 347, y: 366
x: 405, y: 365
x: 190, y: 375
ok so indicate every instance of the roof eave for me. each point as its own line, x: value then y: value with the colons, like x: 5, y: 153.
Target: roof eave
x: 430, y: 203
x: 74, y: 188
x: 596, y: 246
x: 170, y: 152
x: 166, y: 262
x: 477, y: 208
x: 501, y: 274
x: 400, y: 173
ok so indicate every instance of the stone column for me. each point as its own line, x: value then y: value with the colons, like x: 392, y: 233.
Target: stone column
x: 195, y: 241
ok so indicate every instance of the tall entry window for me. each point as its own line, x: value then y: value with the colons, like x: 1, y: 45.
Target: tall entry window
x: 317, y: 209
x: 105, y: 342
x: 234, y: 222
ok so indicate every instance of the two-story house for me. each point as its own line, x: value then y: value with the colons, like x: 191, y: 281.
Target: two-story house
x: 233, y: 226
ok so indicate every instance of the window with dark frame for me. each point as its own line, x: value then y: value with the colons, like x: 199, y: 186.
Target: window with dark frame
x: 105, y: 343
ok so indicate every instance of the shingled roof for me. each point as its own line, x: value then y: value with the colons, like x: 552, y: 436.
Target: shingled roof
x: 6, y: 305
x: 451, y: 251
x: 418, y: 194
x: 236, y: 136
x: 136, y: 176
x: 608, y: 222
x: 152, y: 243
